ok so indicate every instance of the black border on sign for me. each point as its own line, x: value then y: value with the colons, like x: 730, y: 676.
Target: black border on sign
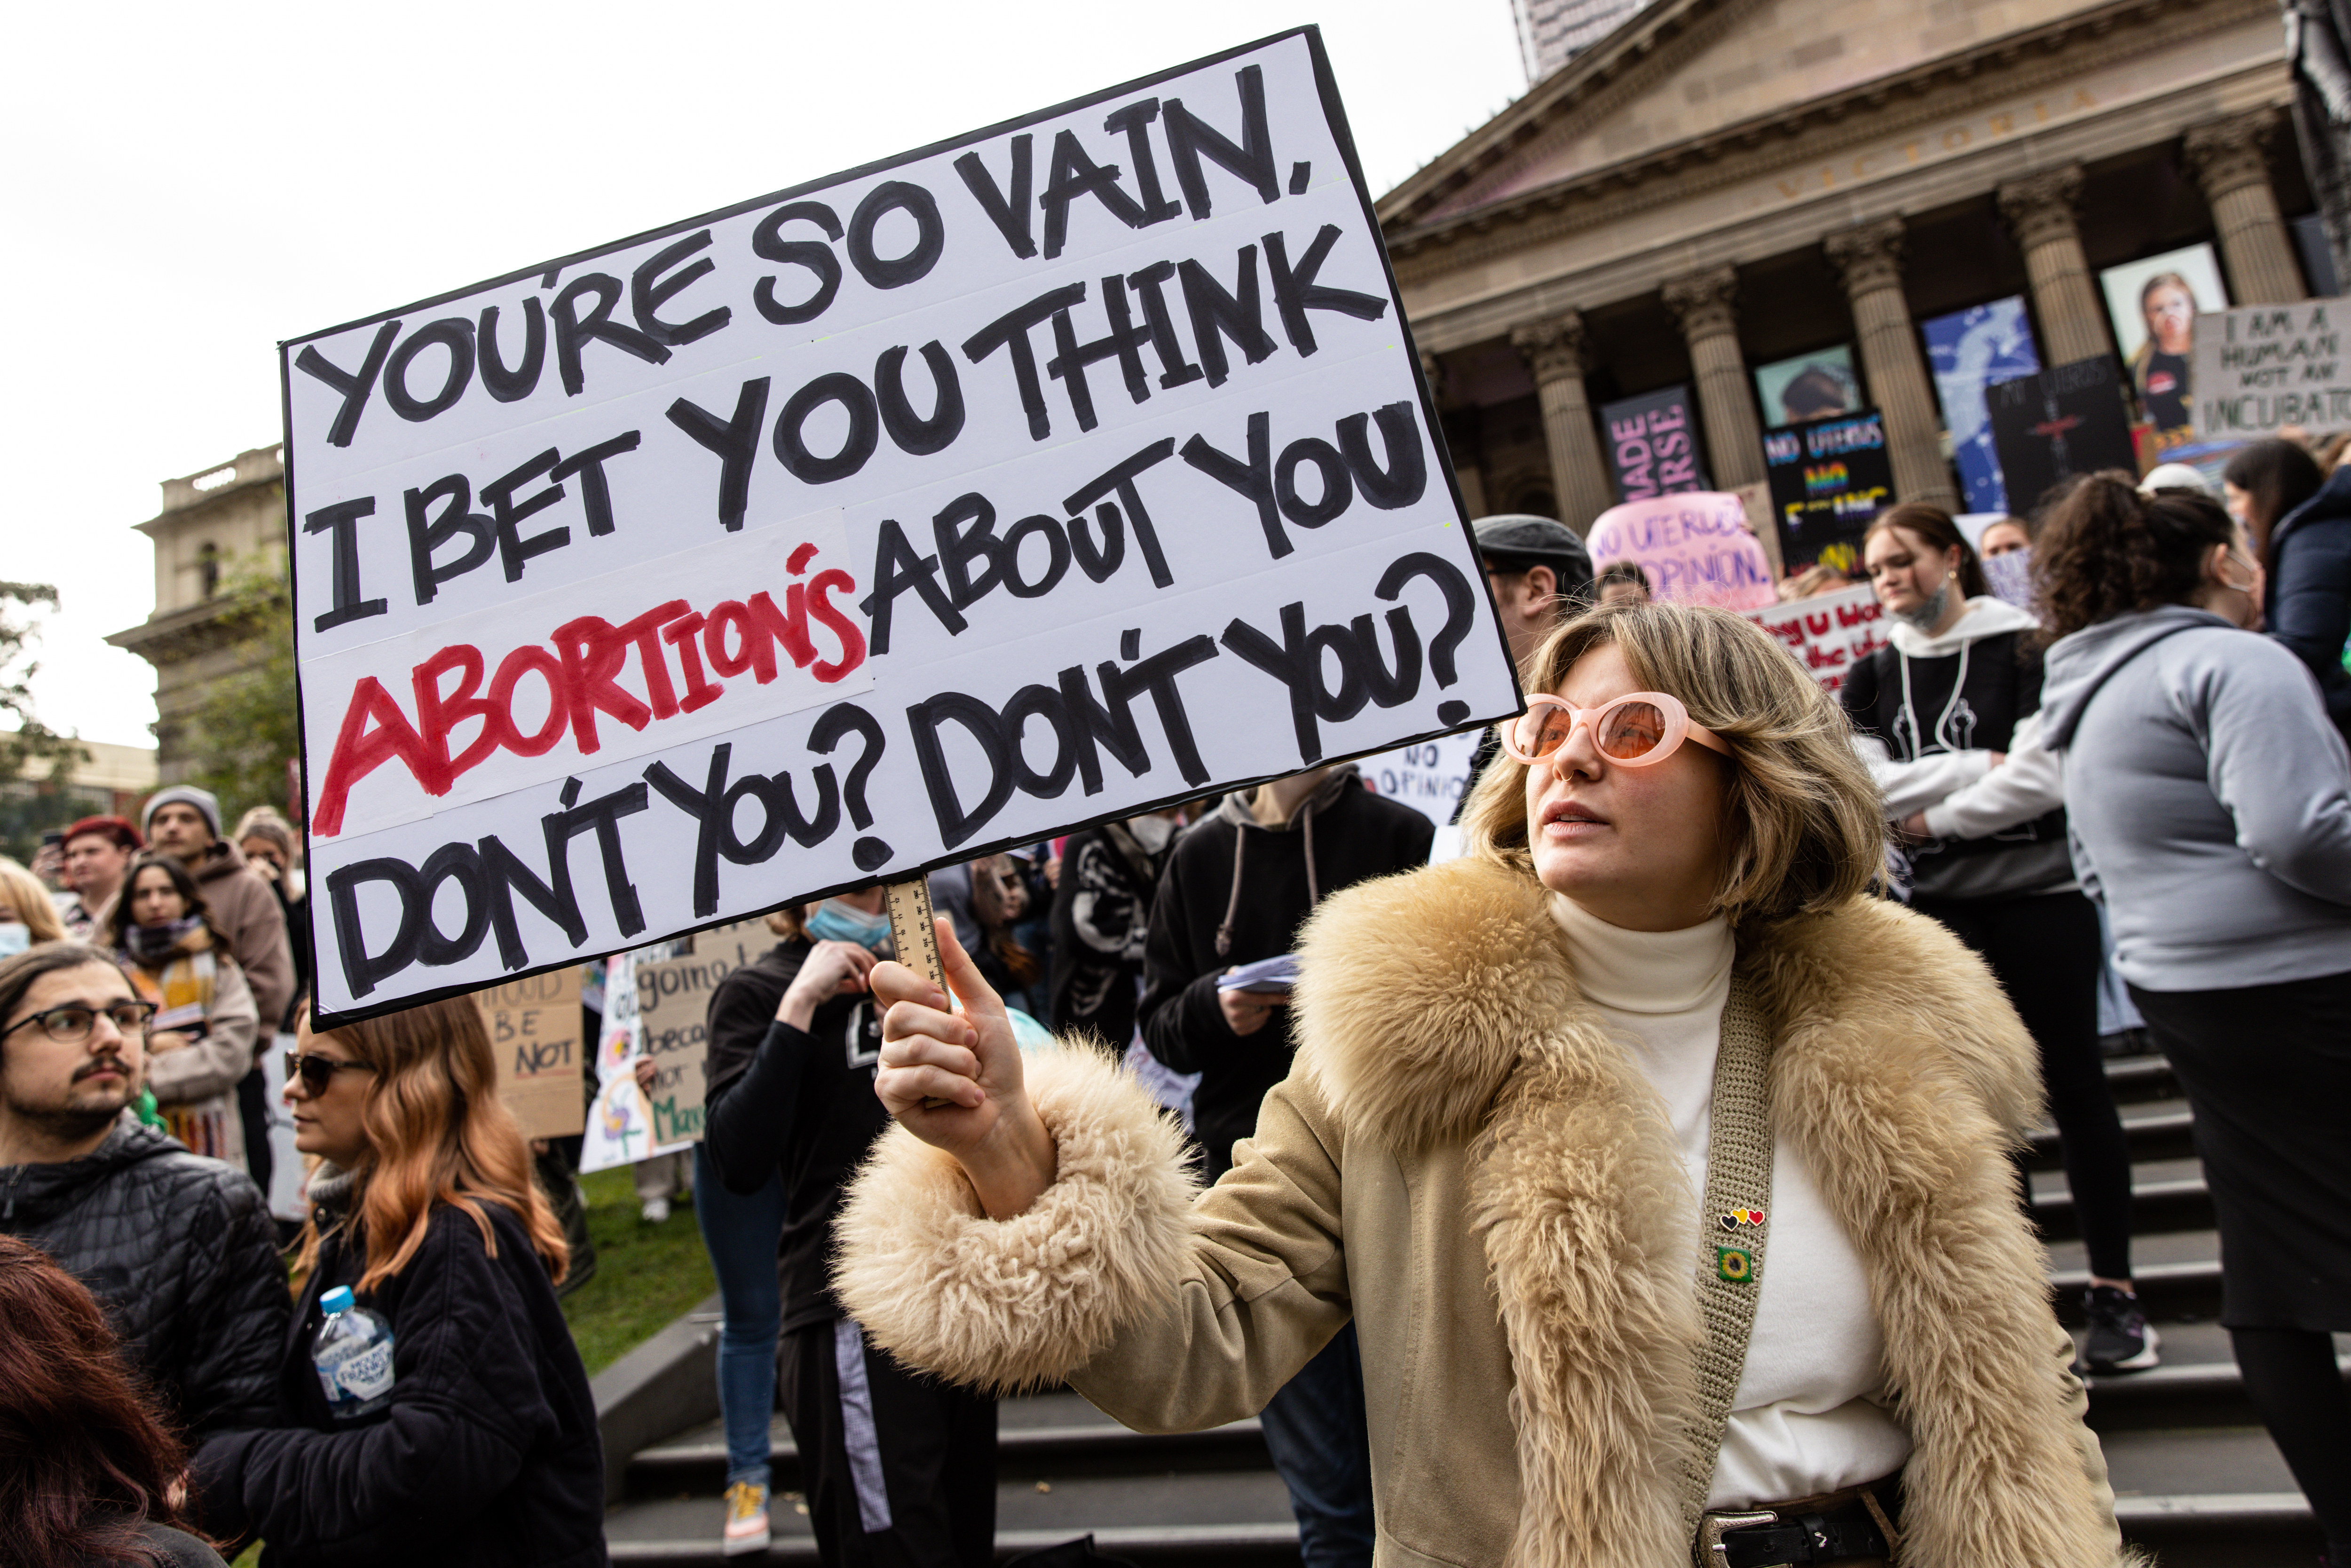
x: 1335, y: 116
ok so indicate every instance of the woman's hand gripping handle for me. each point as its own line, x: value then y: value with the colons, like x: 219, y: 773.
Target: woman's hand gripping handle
x: 954, y: 1079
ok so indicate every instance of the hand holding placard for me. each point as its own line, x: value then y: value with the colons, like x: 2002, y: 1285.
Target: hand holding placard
x: 955, y: 1079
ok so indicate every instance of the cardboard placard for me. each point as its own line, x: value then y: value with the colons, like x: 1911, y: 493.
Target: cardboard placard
x: 1429, y: 777
x: 1830, y: 632
x: 534, y: 1027
x: 2268, y: 366
x: 673, y: 1008
x: 1048, y: 475
x: 1697, y: 548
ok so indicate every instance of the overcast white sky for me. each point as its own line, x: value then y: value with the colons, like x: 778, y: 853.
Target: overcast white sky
x: 190, y: 185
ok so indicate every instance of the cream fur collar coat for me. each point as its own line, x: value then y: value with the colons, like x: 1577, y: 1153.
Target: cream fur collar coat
x: 1464, y: 1162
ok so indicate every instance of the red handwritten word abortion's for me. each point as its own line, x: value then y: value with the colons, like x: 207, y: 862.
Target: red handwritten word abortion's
x: 579, y: 662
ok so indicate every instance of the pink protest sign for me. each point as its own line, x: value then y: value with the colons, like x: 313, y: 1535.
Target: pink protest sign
x: 1696, y: 547
x: 1830, y: 633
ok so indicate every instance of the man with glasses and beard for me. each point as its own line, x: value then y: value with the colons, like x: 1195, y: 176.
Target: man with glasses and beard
x: 178, y: 1249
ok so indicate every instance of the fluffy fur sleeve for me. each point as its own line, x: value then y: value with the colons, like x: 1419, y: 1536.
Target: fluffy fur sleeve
x: 1008, y: 1305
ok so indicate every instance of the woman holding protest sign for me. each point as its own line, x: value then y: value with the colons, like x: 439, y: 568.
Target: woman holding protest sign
x: 1656, y: 973
x: 1946, y: 713
x: 163, y: 936
x: 472, y: 1439
x: 897, y: 1467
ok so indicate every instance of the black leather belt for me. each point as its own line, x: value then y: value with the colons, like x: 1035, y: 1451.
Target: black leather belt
x: 1763, y: 1539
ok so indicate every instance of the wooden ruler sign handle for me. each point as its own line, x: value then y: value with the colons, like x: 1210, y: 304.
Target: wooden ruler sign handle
x: 914, y: 932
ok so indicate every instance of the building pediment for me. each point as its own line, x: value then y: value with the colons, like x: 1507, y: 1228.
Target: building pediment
x: 1702, y: 91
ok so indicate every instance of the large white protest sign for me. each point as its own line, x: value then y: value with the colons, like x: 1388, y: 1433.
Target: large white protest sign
x: 1044, y: 476
x: 1830, y: 632
x: 2264, y: 367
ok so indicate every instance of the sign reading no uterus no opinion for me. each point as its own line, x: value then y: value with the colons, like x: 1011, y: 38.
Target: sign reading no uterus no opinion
x: 1073, y: 467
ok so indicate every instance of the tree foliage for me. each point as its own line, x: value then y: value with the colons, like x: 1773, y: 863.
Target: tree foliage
x: 248, y: 727
x: 24, y: 812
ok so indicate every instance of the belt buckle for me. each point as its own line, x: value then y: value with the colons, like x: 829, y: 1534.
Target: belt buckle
x: 1711, y: 1526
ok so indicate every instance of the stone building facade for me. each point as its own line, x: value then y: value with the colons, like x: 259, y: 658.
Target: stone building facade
x: 1722, y: 184
x: 228, y: 517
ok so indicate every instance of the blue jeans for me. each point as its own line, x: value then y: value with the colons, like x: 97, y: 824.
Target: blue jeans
x: 742, y: 1235
x: 1314, y: 1427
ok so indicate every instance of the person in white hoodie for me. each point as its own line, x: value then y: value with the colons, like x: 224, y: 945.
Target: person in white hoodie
x: 1938, y: 711
x: 2210, y: 798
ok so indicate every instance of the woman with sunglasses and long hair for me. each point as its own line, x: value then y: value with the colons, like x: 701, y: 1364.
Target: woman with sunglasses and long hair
x: 421, y: 1206
x: 1662, y: 1170
x: 2211, y: 803
x: 163, y: 936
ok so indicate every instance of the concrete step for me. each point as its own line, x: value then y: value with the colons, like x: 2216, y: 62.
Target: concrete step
x: 2138, y: 1078
x: 2178, y: 1274
x: 2157, y: 1129
x: 1075, y: 1439
x: 2166, y: 1195
x: 1240, y: 1517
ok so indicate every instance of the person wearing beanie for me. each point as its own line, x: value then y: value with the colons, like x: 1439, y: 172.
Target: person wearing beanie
x: 1540, y: 574
x: 185, y: 822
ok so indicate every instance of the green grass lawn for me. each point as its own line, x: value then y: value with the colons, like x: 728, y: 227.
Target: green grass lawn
x: 646, y: 1275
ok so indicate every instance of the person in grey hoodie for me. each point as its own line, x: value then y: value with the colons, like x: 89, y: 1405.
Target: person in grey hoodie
x: 1938, y: 710
x: 2210, y: 803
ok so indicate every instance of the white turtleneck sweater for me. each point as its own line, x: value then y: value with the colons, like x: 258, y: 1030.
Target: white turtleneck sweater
x: 1808, y: 1415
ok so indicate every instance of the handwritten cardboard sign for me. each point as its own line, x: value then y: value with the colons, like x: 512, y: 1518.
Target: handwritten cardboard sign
x: 1696, y: 547
x: 1046, y: 475
x: 1829, y: 633
x: 2268, y: 366
x: 534, y: 1027
x: 674, y: 1007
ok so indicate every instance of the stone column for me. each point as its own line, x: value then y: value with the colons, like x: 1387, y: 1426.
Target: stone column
x: 1465, y: 471
x: 2040, y: 213
x: 1554, y: 351
x: 1734, y: 439
x: 2226, y: 159
x: 1869, y: 259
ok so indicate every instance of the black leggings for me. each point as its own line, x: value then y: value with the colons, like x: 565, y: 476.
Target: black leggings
x: 2044, y: 949
x: 2296, y: 1388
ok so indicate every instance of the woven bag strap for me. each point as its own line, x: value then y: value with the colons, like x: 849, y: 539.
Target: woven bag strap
x: 1732, y: 1231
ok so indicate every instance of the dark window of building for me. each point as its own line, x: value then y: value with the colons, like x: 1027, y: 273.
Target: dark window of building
x: 208, y: 567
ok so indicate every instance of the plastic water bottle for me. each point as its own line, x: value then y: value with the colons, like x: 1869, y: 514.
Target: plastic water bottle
x: 353, y: 1354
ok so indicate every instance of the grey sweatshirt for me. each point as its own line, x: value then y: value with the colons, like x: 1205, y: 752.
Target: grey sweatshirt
x: 2209, y: 798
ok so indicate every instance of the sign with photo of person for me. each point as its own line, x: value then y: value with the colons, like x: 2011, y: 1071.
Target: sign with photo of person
x: 2153, y: 304
x: 1042, y: 477
x: 1818, y: 385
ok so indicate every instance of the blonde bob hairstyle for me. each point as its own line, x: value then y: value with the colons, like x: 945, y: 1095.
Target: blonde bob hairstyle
x: 437, y: 1134
x: 22, y: 896
x: 1800, y: 813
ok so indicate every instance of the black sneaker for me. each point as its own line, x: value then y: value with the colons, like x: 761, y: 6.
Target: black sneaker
x: 2120, y: 1338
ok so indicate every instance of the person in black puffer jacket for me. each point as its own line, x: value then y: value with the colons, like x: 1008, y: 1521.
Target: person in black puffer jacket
x: 2304, y: 541
x: 487, y: 1452
x: 179, y: 1250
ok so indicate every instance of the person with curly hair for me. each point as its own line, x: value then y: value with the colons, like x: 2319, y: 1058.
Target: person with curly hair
x: 2209, y: 801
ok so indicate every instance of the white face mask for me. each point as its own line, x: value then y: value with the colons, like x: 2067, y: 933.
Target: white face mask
x: 1151, y: 832
x: 15, y: 938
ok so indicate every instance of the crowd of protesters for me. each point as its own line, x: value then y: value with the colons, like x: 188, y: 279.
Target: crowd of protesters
x: 1445, y: 1115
